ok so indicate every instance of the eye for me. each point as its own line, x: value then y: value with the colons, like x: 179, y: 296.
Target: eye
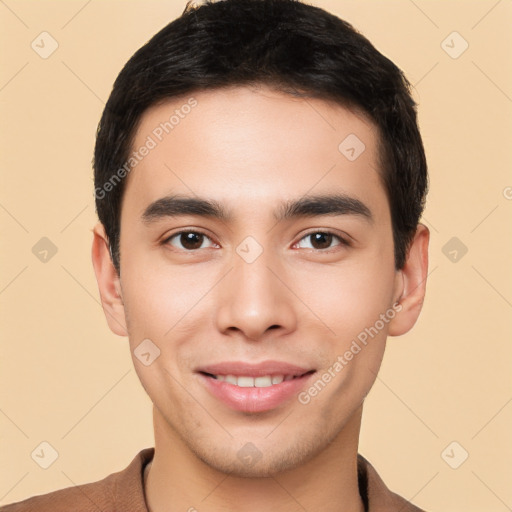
x: 189, y: 240
x: 322, y: 240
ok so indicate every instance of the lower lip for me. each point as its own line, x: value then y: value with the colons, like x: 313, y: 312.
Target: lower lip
x: 254, y: 399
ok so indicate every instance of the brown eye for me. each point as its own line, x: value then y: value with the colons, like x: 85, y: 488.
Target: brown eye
x: 187, y: 240
x: 322, y: 240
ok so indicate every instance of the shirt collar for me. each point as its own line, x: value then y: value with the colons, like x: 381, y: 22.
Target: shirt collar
x: 129, y: 487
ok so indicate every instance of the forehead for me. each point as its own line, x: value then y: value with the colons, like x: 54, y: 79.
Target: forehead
x: 245, y: 146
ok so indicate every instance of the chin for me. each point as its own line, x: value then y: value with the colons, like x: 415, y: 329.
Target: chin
x: 251, y: 462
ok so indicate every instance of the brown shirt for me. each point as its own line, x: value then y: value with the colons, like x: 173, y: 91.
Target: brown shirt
x: 123, y: 491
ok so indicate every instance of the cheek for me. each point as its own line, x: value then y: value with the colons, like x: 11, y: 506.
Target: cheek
x: 347, y: 297
x: 157, y: 301
x: 167, y: 303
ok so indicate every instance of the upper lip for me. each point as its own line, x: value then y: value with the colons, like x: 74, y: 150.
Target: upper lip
x: 241, y: 368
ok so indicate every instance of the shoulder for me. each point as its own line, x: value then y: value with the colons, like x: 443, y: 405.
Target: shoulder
x: 379, y: 497
x: 117, y: 490
x: 84, y: 498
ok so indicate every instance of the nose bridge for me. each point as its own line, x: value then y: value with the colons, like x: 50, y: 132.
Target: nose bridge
x: 253, y: 299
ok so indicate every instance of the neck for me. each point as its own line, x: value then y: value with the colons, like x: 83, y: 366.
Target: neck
x: 177, y: 480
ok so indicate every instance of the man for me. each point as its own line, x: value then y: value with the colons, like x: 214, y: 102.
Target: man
x: 235, y: 144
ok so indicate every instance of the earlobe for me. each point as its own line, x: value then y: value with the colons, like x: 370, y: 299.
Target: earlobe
x: 414, y: 276
x: 109, y: 284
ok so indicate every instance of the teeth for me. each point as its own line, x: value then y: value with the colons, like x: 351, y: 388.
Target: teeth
x: 231, y: 379
x: 245, y: 382
x: 277, y: 379
x: 250, y: 382
x: 263, y: 382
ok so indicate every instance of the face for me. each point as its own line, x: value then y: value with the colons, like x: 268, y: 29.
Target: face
x: 257, y: 320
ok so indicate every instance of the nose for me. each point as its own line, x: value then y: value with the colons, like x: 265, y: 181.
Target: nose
x: 254, y: 298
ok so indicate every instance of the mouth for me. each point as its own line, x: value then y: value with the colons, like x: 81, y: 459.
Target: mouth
x: 248, y: 381
x: 254, y: 388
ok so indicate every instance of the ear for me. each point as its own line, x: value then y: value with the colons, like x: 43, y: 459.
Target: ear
x: 109, y: 283
x: 412, y: 281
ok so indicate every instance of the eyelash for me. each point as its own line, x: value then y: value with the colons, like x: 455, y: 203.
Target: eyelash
x: 343, y: 241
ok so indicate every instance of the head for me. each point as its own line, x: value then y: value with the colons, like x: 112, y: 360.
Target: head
x: 279, y: 114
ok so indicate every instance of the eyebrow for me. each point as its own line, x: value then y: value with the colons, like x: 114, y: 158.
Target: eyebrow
x: 306, y: 206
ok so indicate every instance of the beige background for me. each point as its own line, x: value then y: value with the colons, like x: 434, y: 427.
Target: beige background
x: 66, y: 379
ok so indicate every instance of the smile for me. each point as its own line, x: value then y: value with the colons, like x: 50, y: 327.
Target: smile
x: 246, y: 381
x: 254, y: 388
